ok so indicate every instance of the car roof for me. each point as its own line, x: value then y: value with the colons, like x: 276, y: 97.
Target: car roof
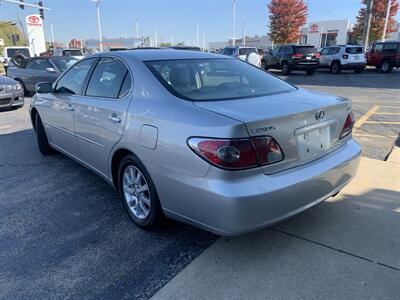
x: 160, y: 54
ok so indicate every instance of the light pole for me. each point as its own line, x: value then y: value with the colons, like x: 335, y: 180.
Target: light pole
x: 386, y: 21
x: 367, y: 23
x: 52, y: 34
x: 99, y: 23
x: 234, y: 23
x: 197, y: 35
x: 137, y: 28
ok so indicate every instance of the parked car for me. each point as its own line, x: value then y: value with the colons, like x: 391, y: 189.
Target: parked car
x: 198, y: 137
x: 384, y: 56
x: 11, y: 93
x: 39, y: 69
x: 343, y: 57
x: 10, y: 52
x: 240, y: 52
x: 290, y: 58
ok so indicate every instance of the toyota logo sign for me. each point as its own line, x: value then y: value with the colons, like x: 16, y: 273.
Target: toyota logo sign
x: 314, y: 28
x: 33, y: 19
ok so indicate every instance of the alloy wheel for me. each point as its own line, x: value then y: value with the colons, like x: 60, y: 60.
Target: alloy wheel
x: 136, y: 192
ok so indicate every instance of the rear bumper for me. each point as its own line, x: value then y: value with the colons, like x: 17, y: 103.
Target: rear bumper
x: 11, y: 99
x: 233, y: 204
x: 304, y: 65
x: 351, y: 66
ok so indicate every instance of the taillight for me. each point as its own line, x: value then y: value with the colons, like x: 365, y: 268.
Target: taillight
x: 317, y: 55
x: 348, y: 125
x: 237, y: 56
x: 237, y: 154
x: 297, y: 55
x: 345, y: 56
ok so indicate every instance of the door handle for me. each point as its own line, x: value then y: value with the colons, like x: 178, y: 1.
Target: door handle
x: 69, y: 107
x: 114, y: 118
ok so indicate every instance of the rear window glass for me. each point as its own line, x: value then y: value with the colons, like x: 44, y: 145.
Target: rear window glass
x: 245, y: 51
x: 63, y: 64
x: 215, y: 79
x: 229, y: 51
x: 305, y: 50
x: 354, y: 50
x: 76, y: 52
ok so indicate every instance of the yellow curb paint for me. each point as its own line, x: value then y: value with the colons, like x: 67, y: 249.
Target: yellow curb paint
x: 365, y: 117
x: 380, y: 122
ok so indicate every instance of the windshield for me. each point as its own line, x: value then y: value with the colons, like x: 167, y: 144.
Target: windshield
x: 63, y: 64
x: 245, y: 51
x: 354, y: 50
x: 76, y: 52
x: 306, y: 50
x: 215, y: 79
x: 13, y: 51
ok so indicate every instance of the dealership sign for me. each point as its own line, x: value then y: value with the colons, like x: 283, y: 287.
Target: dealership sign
x: 34, y: 25
x: 314, y: 28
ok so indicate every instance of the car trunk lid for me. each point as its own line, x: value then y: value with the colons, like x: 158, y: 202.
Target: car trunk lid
x: 305, y: 124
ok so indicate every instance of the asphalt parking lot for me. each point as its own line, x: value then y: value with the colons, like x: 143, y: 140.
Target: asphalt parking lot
x: 64, y: 233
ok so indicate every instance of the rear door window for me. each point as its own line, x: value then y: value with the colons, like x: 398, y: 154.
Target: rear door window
x: 390, y: 47
x: 108, y: 78
x: 39, y: 65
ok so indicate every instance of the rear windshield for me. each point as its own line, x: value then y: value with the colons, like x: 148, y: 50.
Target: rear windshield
x: 72, y: 52
x: 354, y: 50
x: 229, y: 51
x: 12, y: 52
x: 245, y: 51
x: 306, y: 50
x: 215, y: 79
x: 63, y: 64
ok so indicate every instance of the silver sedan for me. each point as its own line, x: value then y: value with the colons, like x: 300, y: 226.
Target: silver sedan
x: 208, y: 140
x: 11, y: 93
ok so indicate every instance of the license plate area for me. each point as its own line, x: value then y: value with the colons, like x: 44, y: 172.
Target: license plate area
x: 314, y: 140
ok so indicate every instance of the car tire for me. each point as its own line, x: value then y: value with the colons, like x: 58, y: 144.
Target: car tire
x: 264, y: 65
x: 386, y: 66
x: 285, y: 69
x: 310, y: 72
x: 358, y: 70
x: 41, y: 137
x: 143, y: 207
x: 336, y: 68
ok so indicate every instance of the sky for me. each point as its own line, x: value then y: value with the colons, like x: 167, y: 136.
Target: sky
x: 172, y: 19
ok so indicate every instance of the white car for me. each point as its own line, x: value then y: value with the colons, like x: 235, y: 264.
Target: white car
x: 343, y: 57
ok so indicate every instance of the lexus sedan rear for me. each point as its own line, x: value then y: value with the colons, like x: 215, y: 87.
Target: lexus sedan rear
x: 208, y: 140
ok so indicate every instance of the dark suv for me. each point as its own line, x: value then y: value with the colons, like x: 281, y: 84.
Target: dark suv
x: 292, y: 57
x: 384, y: 56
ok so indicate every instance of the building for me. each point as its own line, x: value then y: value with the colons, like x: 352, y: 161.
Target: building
x: 260, y: 42
x: 326, y: 33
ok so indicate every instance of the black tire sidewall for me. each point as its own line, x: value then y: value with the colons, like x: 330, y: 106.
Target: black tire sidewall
x: 41, y: 137
x: 285, y: 69
x: 155, y: 214
x: 335, y: 68
x: 389, y: 69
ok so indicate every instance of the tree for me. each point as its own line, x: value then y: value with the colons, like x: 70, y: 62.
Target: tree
x: 286, y: 19
x: 378, y: 17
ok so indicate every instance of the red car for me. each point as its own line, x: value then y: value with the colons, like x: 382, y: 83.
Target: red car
x: 384, y: 56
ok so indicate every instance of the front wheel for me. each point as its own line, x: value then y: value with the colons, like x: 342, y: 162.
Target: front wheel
x: 285, y: 69
x: 41, y: 137
x: 335, y: 68
x: 138, y: 193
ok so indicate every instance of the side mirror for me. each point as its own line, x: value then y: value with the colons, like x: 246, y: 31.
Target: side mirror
x: 51, y: 70
x: 44, y: 88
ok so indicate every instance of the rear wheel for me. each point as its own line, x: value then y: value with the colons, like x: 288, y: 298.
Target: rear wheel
x: 335, y: 68
x: 138, y: 193
x: 26, y: 92
x: 386, y: 66
x: 285, y: 69
x: 310, y: 71
x: 41, y: 137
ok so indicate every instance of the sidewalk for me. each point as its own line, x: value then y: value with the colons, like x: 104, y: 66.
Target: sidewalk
x: 345, y: 248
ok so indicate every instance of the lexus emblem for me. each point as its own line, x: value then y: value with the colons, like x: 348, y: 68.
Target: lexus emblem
x: 319, y: 115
